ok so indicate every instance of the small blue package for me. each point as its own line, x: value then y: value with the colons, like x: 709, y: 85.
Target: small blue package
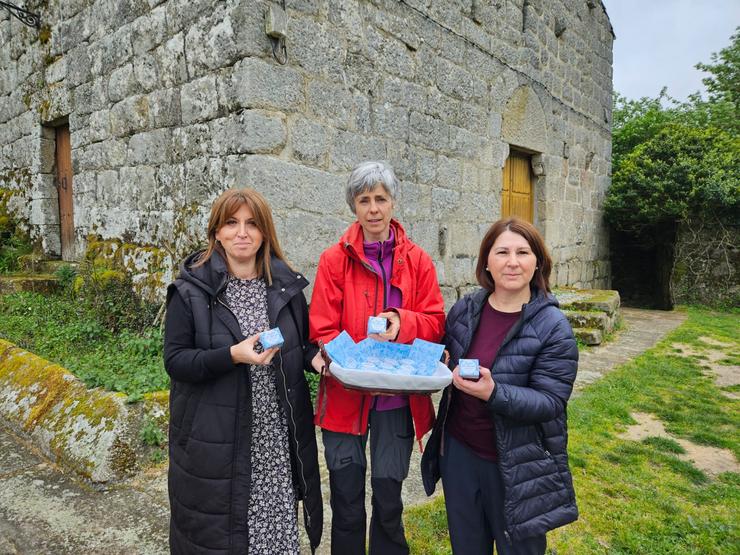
x: 376, y: 324
x: 271, y: 338
x: 469, y: 368
x: 342, y: 350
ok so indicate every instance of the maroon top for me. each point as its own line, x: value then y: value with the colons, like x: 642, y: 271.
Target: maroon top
x: 469, y: 421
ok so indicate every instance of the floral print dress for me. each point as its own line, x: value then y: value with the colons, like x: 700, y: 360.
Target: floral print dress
x: 272, y: 517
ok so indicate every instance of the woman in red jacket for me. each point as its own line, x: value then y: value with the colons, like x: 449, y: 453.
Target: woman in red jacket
x: 374, y: 270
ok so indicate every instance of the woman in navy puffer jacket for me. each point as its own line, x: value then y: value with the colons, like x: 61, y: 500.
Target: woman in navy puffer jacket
x: 500, y: 442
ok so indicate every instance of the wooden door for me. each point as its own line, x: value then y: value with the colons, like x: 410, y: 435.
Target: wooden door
x: 64, y: 188
x: 517, y: 195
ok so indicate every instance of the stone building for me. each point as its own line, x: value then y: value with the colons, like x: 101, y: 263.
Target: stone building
x: 121, y: 120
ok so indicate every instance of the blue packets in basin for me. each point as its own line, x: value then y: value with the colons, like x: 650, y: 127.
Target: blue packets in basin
x: 418, y: 359
x: 386, y: 367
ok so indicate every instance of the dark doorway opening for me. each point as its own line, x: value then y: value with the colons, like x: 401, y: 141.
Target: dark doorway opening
x: 642, y: 266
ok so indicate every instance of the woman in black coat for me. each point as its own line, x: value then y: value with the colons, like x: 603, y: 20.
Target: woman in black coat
x: 500, y: 441
x: 242, y: 442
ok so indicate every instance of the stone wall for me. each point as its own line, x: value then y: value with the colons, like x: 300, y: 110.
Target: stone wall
x: 706, y: 268
x: 171, y: 101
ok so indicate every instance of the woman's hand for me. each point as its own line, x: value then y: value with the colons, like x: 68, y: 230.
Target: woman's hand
x: 320, y: 363
x: 394, y: 326
x: 244, y: 352
x: 481, y: 388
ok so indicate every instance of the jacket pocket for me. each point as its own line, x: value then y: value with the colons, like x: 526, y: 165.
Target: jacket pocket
x: 540, y: 435
x: 187, y: 421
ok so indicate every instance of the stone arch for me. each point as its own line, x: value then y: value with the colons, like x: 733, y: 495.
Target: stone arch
x: 523, y: 123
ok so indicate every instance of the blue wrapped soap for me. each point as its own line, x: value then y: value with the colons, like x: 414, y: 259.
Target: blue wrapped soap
x: 469, y: 368
x: 271, y: 338
x: 376, y: 324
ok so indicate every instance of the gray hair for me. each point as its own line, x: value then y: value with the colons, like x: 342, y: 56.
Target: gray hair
x: 366, y: 176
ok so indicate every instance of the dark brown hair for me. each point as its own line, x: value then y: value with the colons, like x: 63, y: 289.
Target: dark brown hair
x: 225, y: 206
x: 541, y: 277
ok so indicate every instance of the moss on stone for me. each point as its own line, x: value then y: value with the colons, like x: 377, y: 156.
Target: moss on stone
x: 45, y: 34
x: 72, y: 423
x: 120, y: 255
x: 122, y: 457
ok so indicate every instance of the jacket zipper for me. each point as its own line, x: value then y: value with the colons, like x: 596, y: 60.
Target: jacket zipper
x: 236, y: 435
x: 358, y: 427
x: 227, y: 308
x: 444, y: 422
x: 509, y: 336
x: 295, y: 437
x: 382, y: 271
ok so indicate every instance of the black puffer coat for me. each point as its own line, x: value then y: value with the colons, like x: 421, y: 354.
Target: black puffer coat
x: 210, y: 408
x: 534, y: 372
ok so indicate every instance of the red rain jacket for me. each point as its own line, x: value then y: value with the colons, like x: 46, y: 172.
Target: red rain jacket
x: 346, y: 292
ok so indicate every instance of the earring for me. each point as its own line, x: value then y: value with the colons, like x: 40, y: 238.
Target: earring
x: 487, y: 270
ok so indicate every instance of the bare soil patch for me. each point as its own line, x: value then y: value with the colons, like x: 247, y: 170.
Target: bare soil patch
x: 710, y: 460
x: 724, y: 375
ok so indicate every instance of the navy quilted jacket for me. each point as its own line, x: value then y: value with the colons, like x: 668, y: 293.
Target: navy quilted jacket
x: 534, y: 372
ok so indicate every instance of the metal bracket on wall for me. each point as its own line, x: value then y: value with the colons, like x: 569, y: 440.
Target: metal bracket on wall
x: 29, y: 18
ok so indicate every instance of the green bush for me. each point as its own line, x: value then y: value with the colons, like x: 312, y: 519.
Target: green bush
x: 66, y: 275
x: 152, y: 434
x: 14, y: 242
x: 107, y: 296
x: 679, y: 173
x: 61, y: 329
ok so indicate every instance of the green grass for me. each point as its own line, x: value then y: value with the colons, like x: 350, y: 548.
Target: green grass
x: 55, y: 327
x: 638, y: 497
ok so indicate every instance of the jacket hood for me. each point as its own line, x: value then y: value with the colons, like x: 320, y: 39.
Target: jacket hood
x: 352, y: 240
x: 213, y: 276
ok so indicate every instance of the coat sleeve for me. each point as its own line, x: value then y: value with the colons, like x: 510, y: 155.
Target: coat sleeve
x: 182, y: 360
x: 550, y: 381
x: 325, y: 314
x: 426, y: 318
x: 453, y: 336
x: 310, y: 349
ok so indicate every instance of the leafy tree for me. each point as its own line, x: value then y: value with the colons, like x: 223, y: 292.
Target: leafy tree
x: 724, y: 83
x: 678, y: 173
x: 636, y: 121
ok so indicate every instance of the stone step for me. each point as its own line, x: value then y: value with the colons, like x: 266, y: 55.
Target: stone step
x: 40, y: 283
x: 591, y: 319
x: 33, y: 263
x: 589, y: 336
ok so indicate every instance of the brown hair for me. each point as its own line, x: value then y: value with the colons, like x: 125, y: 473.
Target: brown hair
x: 541, y: 277
x: 225, y: 206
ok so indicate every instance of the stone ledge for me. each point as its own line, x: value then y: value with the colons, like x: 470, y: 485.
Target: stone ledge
x: 602, y: 300
x: 40, y: 283
x: 91, y: 432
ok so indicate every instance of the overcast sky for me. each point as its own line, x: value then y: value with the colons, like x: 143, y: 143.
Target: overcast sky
x: 660, y: 41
